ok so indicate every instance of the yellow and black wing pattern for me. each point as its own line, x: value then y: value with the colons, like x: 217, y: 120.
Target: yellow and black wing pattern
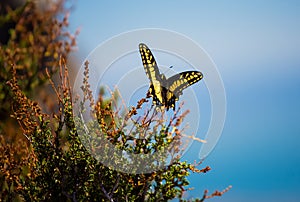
x: 165, y: 92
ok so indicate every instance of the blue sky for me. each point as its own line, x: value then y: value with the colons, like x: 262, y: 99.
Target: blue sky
x: 256, y: 46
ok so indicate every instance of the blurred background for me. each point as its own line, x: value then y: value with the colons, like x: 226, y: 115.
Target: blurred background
x: 256, y: 47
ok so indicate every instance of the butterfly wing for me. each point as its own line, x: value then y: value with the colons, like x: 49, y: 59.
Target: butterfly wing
x: 179, y: 82
x: 151, y: 69
x: 165, y: 91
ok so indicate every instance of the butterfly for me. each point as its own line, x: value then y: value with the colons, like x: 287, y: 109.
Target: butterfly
x: 165, y: 92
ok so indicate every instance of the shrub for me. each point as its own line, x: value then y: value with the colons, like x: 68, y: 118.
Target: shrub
x: 53, y: 161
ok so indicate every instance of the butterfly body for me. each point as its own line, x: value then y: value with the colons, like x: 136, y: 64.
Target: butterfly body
x: 165, y: 91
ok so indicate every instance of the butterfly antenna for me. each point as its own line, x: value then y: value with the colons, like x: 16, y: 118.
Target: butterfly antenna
x: 168, y: 69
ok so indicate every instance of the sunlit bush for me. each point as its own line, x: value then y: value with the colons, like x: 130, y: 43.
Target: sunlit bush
x: 57, y: 156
